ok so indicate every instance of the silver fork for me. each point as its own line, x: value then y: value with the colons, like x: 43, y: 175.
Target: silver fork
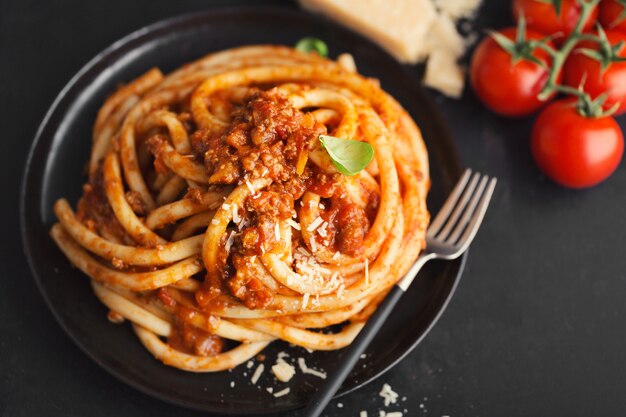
x: 448, y: 236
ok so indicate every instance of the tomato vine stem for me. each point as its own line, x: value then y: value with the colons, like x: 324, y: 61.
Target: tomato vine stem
x: 560, y: 55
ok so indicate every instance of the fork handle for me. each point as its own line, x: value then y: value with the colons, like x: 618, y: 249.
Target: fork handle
x: 351, y: 356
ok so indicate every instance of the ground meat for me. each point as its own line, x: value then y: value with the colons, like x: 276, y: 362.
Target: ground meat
x: 190, y: 339
x: 352, y: 226
x: 212, y: 287
x: 246, y: 287
x: 194, y: 194
x: 95, y: 212
x: 136, y: 202
x: 325, y: 185
x: 263, y: 139
x: 266, y: 137
x: 271, y: 203
x: 155, y: 145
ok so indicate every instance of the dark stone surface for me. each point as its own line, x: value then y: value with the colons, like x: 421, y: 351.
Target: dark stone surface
x: 535, y: 327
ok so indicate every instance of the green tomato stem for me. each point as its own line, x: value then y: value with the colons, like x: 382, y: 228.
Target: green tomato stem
x: 560, y: 56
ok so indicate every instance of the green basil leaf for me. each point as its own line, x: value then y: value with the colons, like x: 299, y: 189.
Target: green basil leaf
x: 349, y: 156
x: 307, y: 45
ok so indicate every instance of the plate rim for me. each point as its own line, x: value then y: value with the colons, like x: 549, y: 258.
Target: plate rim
x: 64, y: 99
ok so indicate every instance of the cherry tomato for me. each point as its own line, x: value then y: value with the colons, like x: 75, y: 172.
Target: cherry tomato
x: 612, y: 14
x: 580, y: 68
x: 573, y: 150
x: 507, y: 89
x: 542, y: 16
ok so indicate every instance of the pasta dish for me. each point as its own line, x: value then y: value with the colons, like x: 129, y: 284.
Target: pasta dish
x: 257, y: 194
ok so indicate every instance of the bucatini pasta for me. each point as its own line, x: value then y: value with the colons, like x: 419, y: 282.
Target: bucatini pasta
x: 213, y: 211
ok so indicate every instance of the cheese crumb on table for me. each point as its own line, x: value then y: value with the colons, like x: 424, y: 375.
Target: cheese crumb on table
x: 306, y: 370
x: 257, y: 373
x: 283, y: 371
x: 282, y: 393
x: 388, y: 395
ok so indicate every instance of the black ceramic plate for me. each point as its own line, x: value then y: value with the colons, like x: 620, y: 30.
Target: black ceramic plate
x: 55, y: 168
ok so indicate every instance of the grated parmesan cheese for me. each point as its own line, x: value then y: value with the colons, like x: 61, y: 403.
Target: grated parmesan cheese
x: 282, y: 393
x: 249, y: 364
x: 230, y: 241
x: 305, y: 300
x: 341, y: 290
x: 347, y: 62
x: 236, y: 217
x: 363, y: 414
x: 257, y: 373
x: 322, y: 229
x: 293, y: 224
x: 250, y: 187
x: 315, y: 224
x: 277, y: 231
x: 242, y: 224
x: 306, y: 370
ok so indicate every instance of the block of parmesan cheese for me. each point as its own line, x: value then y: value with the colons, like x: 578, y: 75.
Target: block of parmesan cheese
x: 444, y: 36
x: 399, y: 26
x: 444, y: 74
x: 457, y: 9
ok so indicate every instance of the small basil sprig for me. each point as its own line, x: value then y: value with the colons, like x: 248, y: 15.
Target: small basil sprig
x: 307, y: 45
x: 349, y: 156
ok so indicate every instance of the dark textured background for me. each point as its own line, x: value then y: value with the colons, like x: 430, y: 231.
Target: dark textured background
x: 534, y: 329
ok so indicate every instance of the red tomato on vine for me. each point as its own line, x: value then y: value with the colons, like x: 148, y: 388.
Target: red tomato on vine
x: 613, y: 14
x: 574, y: 150
x: 597, y: 73
x: 505, y: 80
x: 543, y: 16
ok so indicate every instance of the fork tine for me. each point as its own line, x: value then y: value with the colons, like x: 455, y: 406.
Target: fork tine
x: 447, y: 207
x: 469, y: 211
x: 459, y: 207
x: 477, y: 219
